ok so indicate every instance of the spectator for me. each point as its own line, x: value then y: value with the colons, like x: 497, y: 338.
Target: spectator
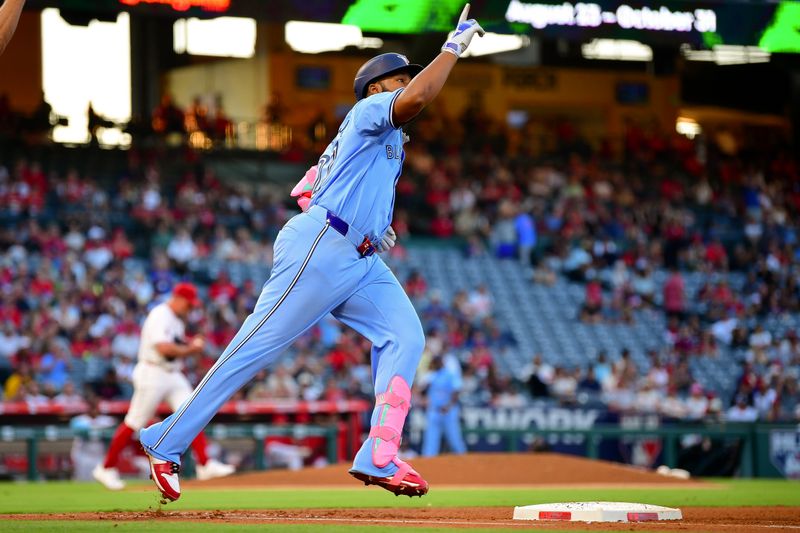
x: 578, y: 262
x: 539, y: 377
x: 222, y: 291
x: 69, y: 398
x: 182, y: 249
x: 416, y: 287
x: 644, y: 287
x: 281, y: 385
x: 480, y: 303
x: 126, y: 340
x: 657, y: 375
x: 564, y: 385
x: 672, y: 406
x: 526, y: 238
x: 697, y: 403
x: 602, y: 369
x: 674, y: 295
x: 504, y: 236
x: 589, y: 383
x: 167, y: 117
x: 765, y: 399
x: 53, y: 371
x: 17, y: 382
x: 741, y: 411
x: 32, y: 395
x: 108, y: 388
x: 97, y: 251
x: 760, y: 340
x: 592, y: 310
x: 648, y: 398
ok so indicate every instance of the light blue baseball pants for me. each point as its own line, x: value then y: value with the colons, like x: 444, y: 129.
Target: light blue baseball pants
x: 316, y: 271
x: 438, y: 424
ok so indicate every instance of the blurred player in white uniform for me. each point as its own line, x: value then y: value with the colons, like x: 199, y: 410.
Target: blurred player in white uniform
x: 157, y: 378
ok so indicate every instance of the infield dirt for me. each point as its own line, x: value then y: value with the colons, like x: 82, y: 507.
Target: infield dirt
x: 482, y: 469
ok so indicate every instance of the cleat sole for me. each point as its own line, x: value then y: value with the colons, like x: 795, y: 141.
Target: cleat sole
x: 397, y: 490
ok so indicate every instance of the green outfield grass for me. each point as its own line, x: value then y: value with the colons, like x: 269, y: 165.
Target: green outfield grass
x: 65, y: 497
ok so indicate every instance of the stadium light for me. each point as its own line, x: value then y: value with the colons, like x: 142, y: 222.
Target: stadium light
x: 83, y: 64
x: 317, y: 37
x: 494, y: 43
x: 727, y: 54
x: 617, y: 49
x: 688, y: 127
x: 219, y: 37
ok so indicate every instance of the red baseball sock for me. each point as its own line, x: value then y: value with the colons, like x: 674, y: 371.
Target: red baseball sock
x: 199, y: 445
x: 122, y: 437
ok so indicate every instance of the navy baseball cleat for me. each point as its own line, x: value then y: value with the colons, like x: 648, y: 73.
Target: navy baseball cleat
x: 405, y: 481
x: 165, y: 475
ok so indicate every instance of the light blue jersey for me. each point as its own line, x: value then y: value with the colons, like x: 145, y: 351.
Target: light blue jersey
x: 359, y: 169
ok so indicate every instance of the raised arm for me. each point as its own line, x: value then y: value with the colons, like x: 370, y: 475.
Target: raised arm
x: 427, y: 84
x: 9, y: 16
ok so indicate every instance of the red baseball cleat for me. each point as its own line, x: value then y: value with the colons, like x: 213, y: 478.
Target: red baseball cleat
x: 165, y: 476
x: 405, y: 481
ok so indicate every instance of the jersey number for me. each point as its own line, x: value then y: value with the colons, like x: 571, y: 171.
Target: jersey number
x: 326, y: 162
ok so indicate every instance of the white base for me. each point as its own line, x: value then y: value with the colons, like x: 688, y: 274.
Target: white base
x: 597, y: 512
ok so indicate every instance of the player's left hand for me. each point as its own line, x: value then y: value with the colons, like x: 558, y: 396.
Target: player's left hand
x: 458, y: 43
x: 387, y: 242
x: 302, y: 191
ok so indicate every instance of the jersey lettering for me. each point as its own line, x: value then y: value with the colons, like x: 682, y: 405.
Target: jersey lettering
x: 393, y: 152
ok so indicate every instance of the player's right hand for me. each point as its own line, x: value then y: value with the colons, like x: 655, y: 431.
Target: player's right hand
x: 387, y: 241
x: 458, y: 43
x: 198, y: 344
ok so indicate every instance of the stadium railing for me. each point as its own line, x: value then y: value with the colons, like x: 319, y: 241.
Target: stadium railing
x: 32, y: 436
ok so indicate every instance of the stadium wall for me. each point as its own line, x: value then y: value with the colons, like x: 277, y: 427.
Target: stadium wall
x: 550, y: 91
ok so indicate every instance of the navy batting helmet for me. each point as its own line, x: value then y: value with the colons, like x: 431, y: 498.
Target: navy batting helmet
x: 380, y: 66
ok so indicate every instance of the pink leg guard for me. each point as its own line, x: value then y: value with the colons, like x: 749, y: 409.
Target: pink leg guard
x: 394, y: 405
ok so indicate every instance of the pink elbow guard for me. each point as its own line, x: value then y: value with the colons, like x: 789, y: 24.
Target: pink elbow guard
x: 302, y: 191
x: 387, y: 432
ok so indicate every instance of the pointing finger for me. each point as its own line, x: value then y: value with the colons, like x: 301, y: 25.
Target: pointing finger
x: 464, y: 14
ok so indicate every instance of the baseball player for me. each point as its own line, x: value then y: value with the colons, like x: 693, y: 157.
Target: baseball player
x: 443, y: 414
x: 325, y: 262
x: 10, y: 11
x: 157, y: 377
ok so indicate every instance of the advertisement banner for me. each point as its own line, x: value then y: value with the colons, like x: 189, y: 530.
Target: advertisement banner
x: 784, y: 452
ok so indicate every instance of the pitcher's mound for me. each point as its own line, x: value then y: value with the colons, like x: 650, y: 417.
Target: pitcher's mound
x: 477, y: 469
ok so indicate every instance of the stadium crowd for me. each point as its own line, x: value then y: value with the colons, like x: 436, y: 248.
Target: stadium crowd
x: 82, y: 258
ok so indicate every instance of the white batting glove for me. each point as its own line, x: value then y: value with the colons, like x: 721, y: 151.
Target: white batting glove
x: 387, y: 242
x: 458, y: 42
